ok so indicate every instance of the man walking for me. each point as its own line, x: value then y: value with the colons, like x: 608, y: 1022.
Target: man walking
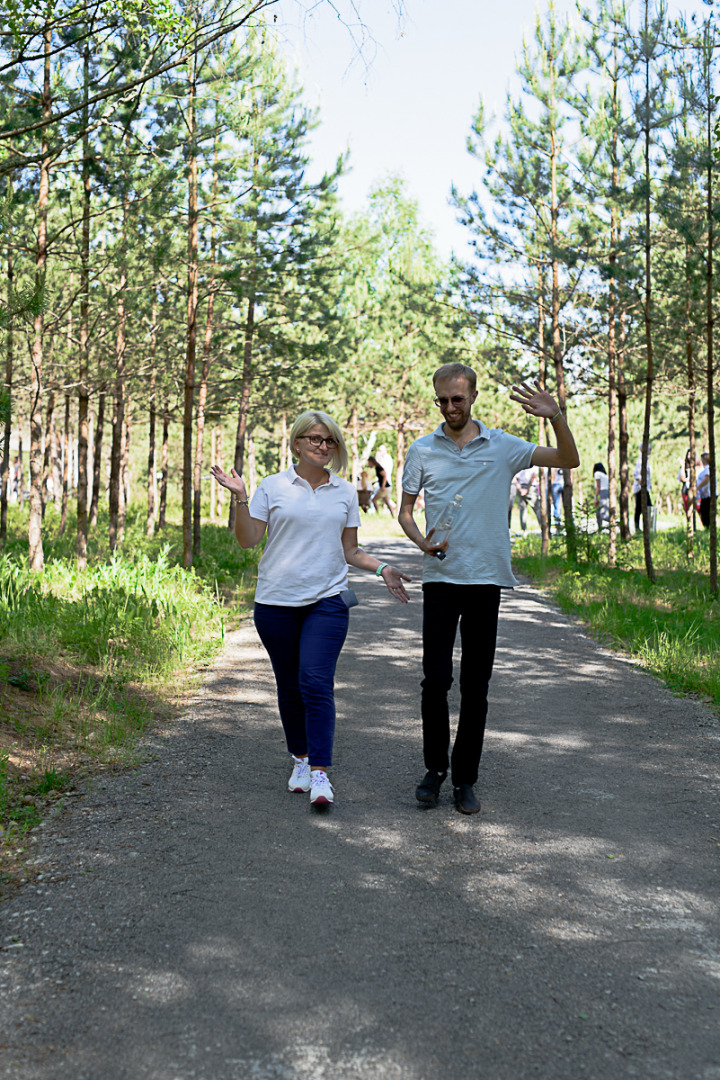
x: 464, y: 457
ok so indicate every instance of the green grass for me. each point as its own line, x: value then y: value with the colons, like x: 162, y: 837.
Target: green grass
x: 672, y: 627
x: 88, y: 659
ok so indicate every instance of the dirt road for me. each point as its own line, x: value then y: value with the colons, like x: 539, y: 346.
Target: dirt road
x: 195, y: 921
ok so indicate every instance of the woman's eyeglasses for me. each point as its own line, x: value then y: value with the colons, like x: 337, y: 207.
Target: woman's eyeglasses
x: 318, y: 440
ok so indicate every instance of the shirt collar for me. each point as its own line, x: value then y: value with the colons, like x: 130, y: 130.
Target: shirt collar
x: 483, y: 432
x: 293, y: 476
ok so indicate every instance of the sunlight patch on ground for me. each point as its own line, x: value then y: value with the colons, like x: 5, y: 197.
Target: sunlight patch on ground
x: 554, y: 742
x: 220, y: 949
x: 387, y: 838
x: 314, y: 1063
x: 710, y: 967
x: 257, y: 697
x: 159, y: 987
x: 376, y: 881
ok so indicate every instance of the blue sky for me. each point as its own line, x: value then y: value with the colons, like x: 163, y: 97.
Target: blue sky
x: 405, y: 104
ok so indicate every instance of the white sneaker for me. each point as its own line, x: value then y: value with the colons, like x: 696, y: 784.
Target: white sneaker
x: 321, y: 790
x: 300, y: 778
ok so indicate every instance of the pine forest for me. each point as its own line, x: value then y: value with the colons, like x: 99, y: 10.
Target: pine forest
x: 176, y: 290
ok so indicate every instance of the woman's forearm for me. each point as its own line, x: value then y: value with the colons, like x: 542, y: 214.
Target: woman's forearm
x: 248, y: 530
x: 361, y: 560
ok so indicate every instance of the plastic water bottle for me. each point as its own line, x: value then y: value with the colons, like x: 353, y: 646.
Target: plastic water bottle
x: 444, y: 525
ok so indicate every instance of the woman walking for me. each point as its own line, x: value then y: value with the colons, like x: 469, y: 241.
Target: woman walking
x: 301, y: 601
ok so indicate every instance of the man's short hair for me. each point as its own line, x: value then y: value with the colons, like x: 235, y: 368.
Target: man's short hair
x: 456, y: 371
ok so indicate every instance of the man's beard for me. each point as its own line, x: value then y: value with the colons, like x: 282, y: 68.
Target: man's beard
x: 460, y: 421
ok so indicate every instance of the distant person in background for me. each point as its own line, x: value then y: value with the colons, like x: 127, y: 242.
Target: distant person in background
x: 383, y: 470
x: 527, y: 494
x: 637, y: 487
x: 602, y: 496
x: 703, y: 490
x: 513, y: 496
x: 364, y: 490
x: 557, y: 485
x: 684, y: 478
x: 15, y: 481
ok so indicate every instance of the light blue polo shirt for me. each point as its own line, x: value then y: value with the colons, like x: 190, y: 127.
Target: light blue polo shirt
x: 479, y: 542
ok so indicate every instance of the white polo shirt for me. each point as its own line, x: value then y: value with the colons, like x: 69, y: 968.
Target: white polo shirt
x: 482, y: 471
x: 303, y: 559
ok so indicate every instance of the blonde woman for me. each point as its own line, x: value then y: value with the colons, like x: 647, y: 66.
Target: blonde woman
x: 301, y: 610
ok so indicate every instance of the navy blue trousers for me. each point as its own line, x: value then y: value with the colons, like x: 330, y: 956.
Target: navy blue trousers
x: 304, y: 644
x: 475, y: 608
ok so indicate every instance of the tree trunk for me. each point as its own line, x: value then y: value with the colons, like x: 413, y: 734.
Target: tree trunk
x: 37, y: 557
x: 48, y: 484
x: 612, y: 404
x: 711, y: 164
x: 213, y: 461
x: 191, y: 333
x: 9, y: 358
x: 117, y: 514
x: 21, y: 470
x: 218, y: 488
x: 251, y: 466
x: 207, y: 345
x: 164, y: 458
x: 66, y: 466
x: 151, y: 478
x: 612, y: 316
x: 244, y: 401
x: 624, y: 440
x: 118, y: 420
x: 84, y: 350
x: 692, y: 405
x: 570, y: 537
x: 97, y: 454
x: 647, y: 317
x: 125, y: 474
x: 200, y: 427
x: 542, y: 426
x: 57, y: 460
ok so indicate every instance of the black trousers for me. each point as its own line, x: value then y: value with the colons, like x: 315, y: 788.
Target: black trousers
x: 638, y: 508
x: 705, y: 512
x: 475, y: 608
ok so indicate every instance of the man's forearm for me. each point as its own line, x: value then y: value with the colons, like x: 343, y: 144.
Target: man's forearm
x: 562, y: 456
x: 409, y: 527
x: 566, y: 444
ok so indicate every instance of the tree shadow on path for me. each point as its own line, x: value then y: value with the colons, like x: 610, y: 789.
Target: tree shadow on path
x: 204, y: 923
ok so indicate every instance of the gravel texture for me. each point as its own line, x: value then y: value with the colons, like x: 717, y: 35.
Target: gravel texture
x: 195, y: 921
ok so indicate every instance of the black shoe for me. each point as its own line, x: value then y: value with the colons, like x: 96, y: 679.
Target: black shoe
x: 428, y: 789
x: 465, y: 800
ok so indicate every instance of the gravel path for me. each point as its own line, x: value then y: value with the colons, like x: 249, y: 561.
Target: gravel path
x: 195, y: 921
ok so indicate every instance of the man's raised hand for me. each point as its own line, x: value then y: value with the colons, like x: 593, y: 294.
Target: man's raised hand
x: 536, y: 402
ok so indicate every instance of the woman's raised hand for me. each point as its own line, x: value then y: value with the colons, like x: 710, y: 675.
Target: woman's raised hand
x: 232, y: 481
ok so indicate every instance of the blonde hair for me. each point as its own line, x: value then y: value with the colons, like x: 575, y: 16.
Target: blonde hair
x: 307, y: 420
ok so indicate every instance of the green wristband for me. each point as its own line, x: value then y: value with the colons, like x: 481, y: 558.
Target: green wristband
x: 381, y: 567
